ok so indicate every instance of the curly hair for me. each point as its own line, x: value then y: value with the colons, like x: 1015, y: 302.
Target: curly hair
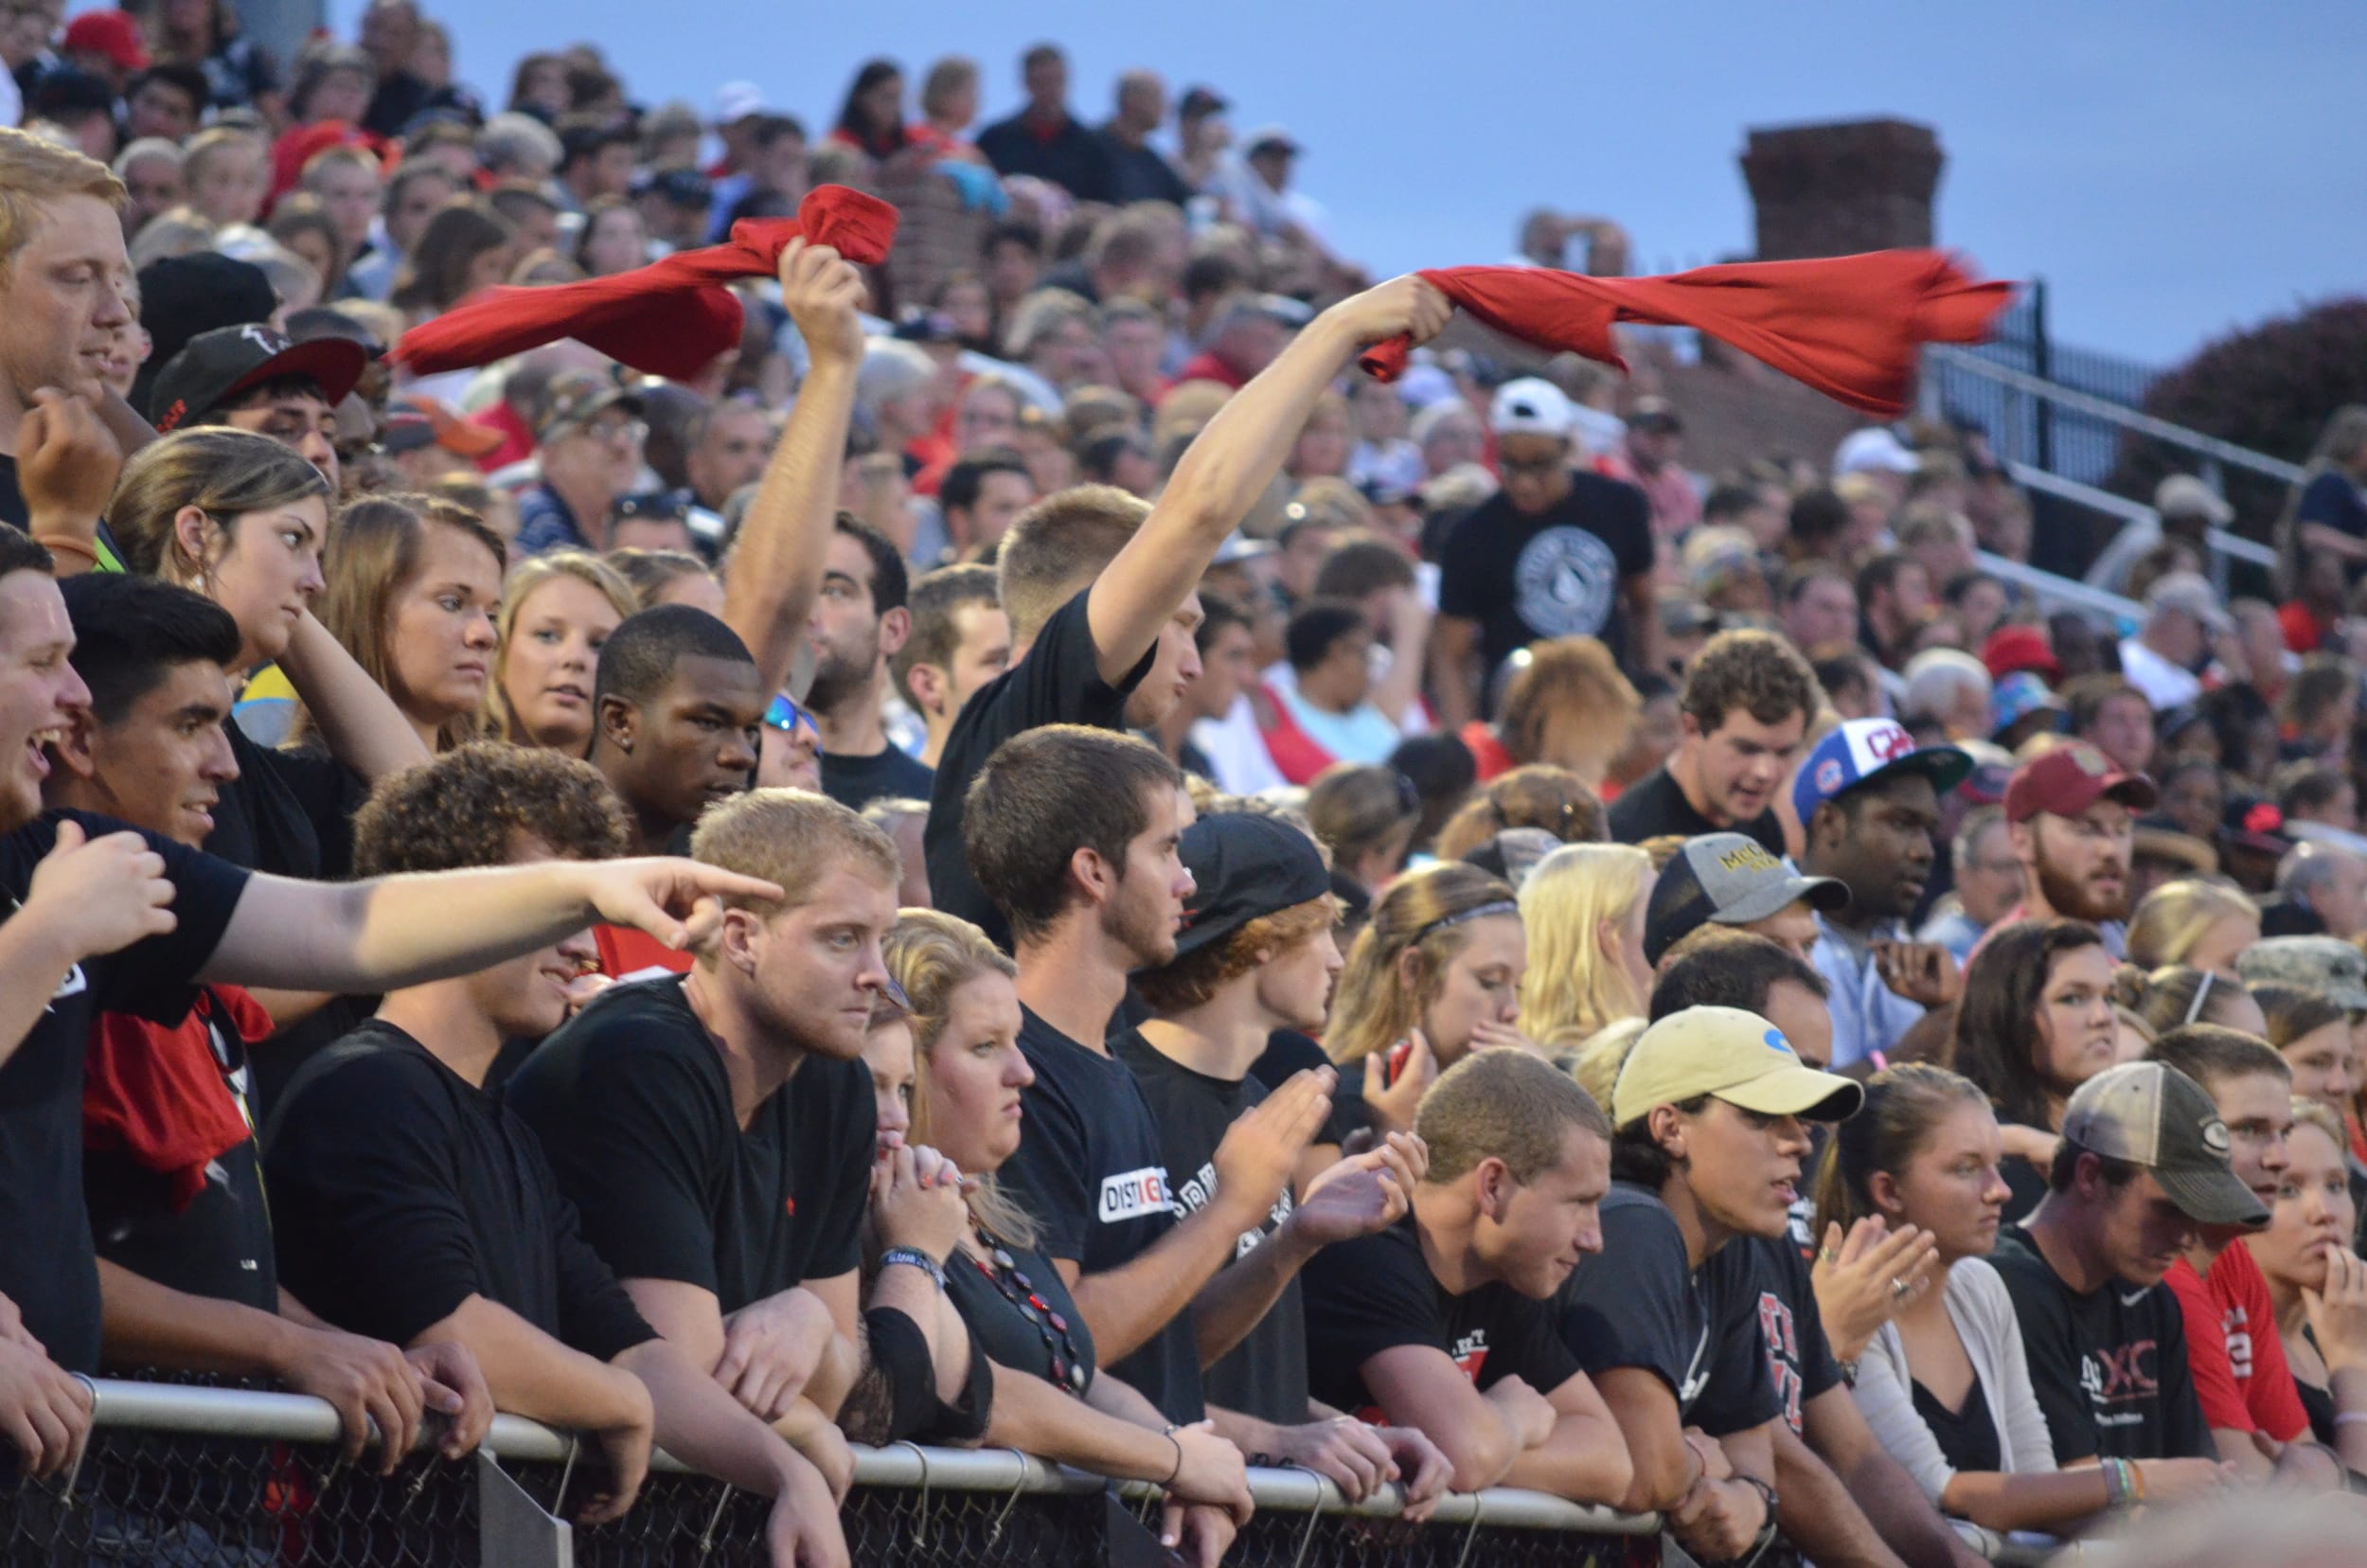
x: 1191, y: 980
x: 1758, y: 672
x: 475, y: 804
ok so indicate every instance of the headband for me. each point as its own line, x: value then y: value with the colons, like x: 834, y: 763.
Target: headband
x: 1500, y: 906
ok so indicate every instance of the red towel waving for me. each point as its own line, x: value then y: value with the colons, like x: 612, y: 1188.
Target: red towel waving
x: 1847, y: 325
x: 670, y: 318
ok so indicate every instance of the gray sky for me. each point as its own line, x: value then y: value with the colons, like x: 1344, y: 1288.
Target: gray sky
x: 2172, y: 170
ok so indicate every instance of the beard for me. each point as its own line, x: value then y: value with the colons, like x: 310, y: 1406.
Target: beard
x: 1148, y: 936
x: 840, y: 674
x: 2077, y: 899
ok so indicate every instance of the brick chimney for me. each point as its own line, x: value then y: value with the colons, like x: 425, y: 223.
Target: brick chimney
x: 1837, y: 189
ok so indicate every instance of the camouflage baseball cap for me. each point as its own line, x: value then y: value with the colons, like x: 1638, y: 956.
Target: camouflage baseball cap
x: 2327, y: 966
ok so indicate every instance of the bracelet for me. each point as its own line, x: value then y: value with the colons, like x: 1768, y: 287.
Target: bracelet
x: 2350, y: 1418
x: 918, y: 1260
x: 1177, y: 1444
x: 1765, y: 1492
x: 2136, y: 1478
x: 2115, y: 1483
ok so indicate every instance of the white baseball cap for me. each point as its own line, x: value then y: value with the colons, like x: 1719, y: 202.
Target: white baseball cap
x: 1531, y: 406
x: 1873, y: 449
x: 735, y: 100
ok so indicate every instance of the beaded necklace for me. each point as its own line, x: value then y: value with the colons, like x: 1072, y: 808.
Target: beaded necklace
x: 1012, y: 1285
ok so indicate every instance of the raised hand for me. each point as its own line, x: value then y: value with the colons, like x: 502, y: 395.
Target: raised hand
x: 824, y: 294
x: 1261, y: 1149
x: 1364, y: 1193
x: 1407, y: 306
x: 1859, y: 1279
x: 67, y: 462
x: 678, y: 901
x: 1393, y: 1104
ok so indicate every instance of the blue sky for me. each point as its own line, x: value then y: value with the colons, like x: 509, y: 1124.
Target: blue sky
x: 2172, y: 170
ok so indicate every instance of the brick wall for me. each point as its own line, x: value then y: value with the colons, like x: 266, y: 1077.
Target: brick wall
x: 1837, y: 189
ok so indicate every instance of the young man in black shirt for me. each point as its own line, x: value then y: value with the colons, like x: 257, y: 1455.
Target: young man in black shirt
x: 104, y: 918
x: 1255, y: 955
x: 169, y: 1166
x: 859, y: 621
x: 2143, y: 1164
x: 1744, y: 708
x: 1843, y: 1498
x: 1077, y: 832
x: 1709, y: 1151
x: 714, y: 1129
x: 1554, y: 553
x: 1442, y: 1322
x: 1102, y: 591
x: 412, y: 1206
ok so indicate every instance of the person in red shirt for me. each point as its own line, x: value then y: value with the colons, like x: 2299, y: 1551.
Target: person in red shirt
x: 2231, y: 1344
x: 1248, y: 332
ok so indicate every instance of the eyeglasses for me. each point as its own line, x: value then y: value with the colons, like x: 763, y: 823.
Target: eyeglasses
x: 783, y: 714
x: 1531, y: 465
x: 617, y: 429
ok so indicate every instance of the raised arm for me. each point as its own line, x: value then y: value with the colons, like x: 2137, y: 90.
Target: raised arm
x: 1233, y: 461
x: 364, y: 728
x: 360, y: 939
x: 775, y: 566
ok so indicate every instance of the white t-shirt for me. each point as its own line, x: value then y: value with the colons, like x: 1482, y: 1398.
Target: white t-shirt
x: 2164, y: 685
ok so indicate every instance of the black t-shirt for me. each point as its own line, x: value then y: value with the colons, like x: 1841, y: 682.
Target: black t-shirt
x: 1376, y: 1293
x: 632, y: 1106
x: 1003, y: 1331
x: 219, y: 1245
x: 1092, y: 1169
x: 1653, y: 807
x: 1265, y: 1375
x: 1557, y: 574
x: 1289, y: 1053
x: 2333, y: 499
x: 1058, y: 683
x: 401, y: 1189
x: 1799, y: 1358
x: 1640, y: 1303
x: 48, y: 1264
x: 855, y: 782
x: 2026, y: 1183
x: 2109, y: 1367
x: 287, y: 813
x: 1967, y: 1437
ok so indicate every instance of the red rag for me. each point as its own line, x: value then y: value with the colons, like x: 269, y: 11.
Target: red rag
x: 670, y: 318
x: 1847, y: 325
x: 156, y: 1091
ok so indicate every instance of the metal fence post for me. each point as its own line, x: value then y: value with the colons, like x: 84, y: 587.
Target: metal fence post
x: 514, y: 1531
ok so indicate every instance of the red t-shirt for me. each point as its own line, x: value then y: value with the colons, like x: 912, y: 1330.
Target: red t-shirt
x: 1488, y: 752
x: 2233, y: 1349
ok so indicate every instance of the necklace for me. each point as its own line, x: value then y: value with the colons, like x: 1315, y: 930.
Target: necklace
x: 1012, y: 1285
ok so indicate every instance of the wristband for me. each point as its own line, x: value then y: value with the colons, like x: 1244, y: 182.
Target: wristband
x: 918, y: 1260
x: 2350, y: 1418
x: 2115, y: 1483
x: 2136, y: 1478
x: 1766, y: 1492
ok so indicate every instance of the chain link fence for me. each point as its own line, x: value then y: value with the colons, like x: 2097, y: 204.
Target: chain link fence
x: 178, y: 1476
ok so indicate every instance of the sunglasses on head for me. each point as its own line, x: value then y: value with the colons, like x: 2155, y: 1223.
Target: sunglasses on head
x: 784, y: 714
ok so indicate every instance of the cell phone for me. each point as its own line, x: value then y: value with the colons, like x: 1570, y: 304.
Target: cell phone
x: 1399, y: 1054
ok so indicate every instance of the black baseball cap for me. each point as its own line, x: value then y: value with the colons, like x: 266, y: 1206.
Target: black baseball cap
x: 1727, y: 878
x: 1245, y: 866
x: 216, y: 366
x: 184, y: 295
x: 684, y: 187
x: 1199, y: 102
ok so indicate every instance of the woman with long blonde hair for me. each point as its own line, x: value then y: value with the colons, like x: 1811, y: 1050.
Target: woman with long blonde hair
x: 1584, y: 910
x: 1434, y: 976
x: 556, y: 611
x: 968, y: 1073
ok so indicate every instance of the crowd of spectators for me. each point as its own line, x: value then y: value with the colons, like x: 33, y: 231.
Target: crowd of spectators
x: 1053, y: 865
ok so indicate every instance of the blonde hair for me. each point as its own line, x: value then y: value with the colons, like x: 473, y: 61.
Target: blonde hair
x: 1057, y: 547
x: 1537, y: 795
x: 2321, y: 1115
x: 1426, y: 913
x: 2175, y: 916
x: 379, y: 539
x: 1572, y: 988
x: 932, y: 955
x: 533, y: 573
x: 1600, y: 1056
x: 34, y: 173
x: 790, y: 838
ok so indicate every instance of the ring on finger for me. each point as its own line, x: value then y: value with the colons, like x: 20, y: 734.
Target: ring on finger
x: 1900, y: 1288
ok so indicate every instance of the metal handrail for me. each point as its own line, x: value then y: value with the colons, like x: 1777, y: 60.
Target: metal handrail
x: 2226, y: 544
x: 2112, y: 413
x: 2050, y: 588
x: 302, y: 1419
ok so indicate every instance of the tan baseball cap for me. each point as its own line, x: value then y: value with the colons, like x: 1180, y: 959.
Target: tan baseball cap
x: 1738, y: 1057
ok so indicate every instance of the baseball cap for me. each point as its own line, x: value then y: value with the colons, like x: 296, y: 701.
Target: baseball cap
x: 1874, y: 449
x: 2069, y: 779
x: 2161, y: 838
x: 1531, y: 406
x: 1863, y: 749
x: 2017, y: 696
x: 1512, y: 855
x: 580, y: 396
x: 1270, y: 138
x: 1737, y: 1056
x: 415, y: 422
x: 2189, y: 592
x: 2183, y: 495
x: 736, y: 101
x: 112, y: 33
x: 2013, y: 648
x: 1239, y: 546
x: 218, y: 365
x: 1727, y: 878
x: 2327, y: 965
x: 1244, y: 866
x: 2156, y: 1116
x: 684, y: 188
x: 1197, y: 101
x: 184, y: 295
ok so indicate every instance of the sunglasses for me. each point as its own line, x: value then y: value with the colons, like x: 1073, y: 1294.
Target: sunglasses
x: 784, y: 714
